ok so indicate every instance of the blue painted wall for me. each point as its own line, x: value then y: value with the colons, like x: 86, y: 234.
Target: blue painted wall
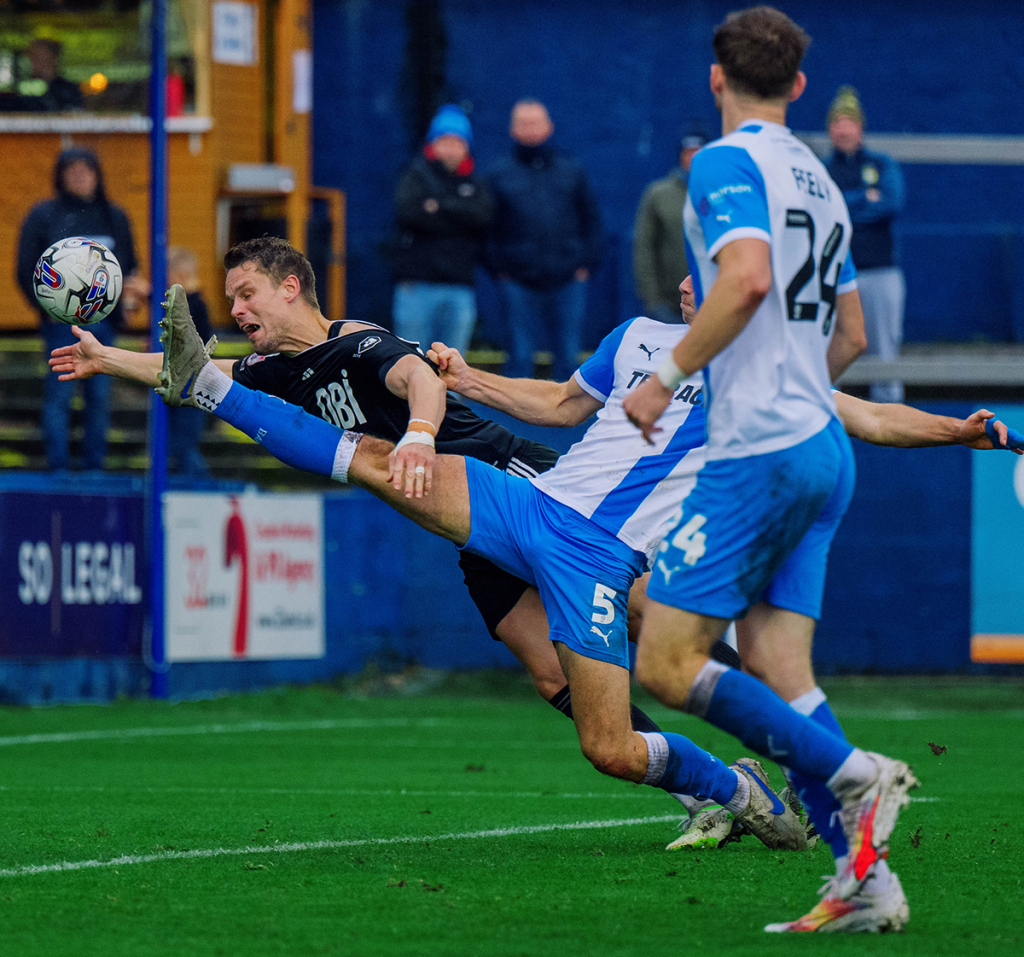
x: 898, y: 593
x: 622, y: 76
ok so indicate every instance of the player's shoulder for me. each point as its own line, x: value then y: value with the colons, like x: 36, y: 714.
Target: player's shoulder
x: 641, y: 338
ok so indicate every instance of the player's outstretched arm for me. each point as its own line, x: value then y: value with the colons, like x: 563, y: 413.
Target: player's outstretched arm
x: 89, y: 357
x: 849, y: 339
x: 902, y: 426
x: 537, y: 401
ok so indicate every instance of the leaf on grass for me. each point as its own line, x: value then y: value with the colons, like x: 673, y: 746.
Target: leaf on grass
x: 397, y: 884
x: 432, y: 887
x: 249, y: 866
x: 474, y: 767
x: 915, y: 838
x: 937, y: 749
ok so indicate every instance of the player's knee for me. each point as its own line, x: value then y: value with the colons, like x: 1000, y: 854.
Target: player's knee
x: 607, y: 758
x: 667, y: 675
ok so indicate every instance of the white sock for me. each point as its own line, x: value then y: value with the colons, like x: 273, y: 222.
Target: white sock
x: 856, y: 771
x: 657, y: 756
x: 742, y: 796
x: 214, y: 386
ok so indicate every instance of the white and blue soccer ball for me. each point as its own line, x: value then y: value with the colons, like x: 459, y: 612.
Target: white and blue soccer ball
x: 78, y: 281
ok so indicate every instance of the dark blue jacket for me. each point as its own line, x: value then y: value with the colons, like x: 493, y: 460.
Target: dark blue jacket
x: 872, y: 246
x: 443, y: 246
x: 546, y: 221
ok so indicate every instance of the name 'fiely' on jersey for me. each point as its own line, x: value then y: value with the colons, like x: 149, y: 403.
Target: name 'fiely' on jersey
x: 612, y: 475
x: 769, y: 389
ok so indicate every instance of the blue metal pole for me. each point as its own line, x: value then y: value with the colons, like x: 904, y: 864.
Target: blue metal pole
x: 157, y: 476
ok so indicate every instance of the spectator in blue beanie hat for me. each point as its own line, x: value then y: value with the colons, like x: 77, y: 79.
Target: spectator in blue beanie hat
x: 442, y: 212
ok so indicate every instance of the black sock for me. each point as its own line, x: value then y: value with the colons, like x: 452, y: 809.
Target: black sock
x: 640, y: 720
x: 726, y: 654
x: 560, y: 702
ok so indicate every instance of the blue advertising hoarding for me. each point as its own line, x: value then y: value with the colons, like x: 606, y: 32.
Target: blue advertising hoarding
x: 72, y: 575
x: 997, y: 552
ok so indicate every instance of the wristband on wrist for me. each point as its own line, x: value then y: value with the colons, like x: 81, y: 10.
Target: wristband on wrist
x: 413, y: 437
x: 669, y: 374
x: 424, y: 425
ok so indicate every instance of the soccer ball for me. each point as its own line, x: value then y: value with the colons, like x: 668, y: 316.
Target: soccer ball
x: 78, y: 281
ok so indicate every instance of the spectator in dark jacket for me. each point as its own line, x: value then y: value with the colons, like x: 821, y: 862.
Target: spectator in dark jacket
x: 443, y: 212
x: 545, y: 243
x: 80, y: 208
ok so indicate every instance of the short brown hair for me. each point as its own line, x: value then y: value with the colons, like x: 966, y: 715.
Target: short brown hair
x: 277, y: 259
x: 760, y: 50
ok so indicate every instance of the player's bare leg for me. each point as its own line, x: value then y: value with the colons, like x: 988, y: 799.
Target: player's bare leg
x: 775, y: 645
x: 600, y: 698
x: 524, y: 631
x: 673, y: 648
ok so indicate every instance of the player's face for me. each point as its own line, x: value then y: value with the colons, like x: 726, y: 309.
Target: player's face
x: 258, y: 307
x: 686, y: 300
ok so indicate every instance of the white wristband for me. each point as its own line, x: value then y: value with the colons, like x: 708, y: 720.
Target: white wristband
x: 669, y: 374
x: 415, y: 438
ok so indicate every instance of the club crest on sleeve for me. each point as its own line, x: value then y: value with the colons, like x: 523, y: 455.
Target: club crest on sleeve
x: 367, y: 344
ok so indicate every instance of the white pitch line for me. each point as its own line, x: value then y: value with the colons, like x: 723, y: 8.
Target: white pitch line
x: 206, y: 853
x: 245, y: 727
x: 329, y: 792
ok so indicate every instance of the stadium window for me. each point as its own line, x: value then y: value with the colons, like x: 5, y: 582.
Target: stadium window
x: 93, y: 55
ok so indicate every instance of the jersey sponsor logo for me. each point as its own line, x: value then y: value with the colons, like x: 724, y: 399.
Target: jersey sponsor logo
x: 367, y: 344
x: 649, y: 352
x: 338, y: 404
x: 687, y: 393
x: 719, y: 194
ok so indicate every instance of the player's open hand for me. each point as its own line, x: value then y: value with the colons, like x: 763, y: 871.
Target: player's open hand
x: 451, y: 365
x: 78, y: 361
x: 644, y: 405
x: 412, y: 466
x: 984, y: 431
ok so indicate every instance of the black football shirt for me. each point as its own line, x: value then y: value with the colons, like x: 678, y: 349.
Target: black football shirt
x: 342, y: 380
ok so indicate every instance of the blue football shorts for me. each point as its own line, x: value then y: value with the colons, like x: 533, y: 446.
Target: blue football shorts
x: 582, y: 572
x: 758, y: 529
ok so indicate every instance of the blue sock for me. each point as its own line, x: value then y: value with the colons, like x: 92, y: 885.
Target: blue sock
x: 286, y: 431
x: 677, y: 765
x: 822, y: 806
x: 749, y: 709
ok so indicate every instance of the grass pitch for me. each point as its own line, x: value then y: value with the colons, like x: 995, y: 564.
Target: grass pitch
x: 461, y: 821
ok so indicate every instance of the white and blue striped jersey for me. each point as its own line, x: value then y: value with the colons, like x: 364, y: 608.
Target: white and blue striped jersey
x: 769, y: 389
x: 612, y: 476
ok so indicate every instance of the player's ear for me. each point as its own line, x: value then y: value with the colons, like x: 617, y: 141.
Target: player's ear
x: 717, y: 82
x: 292, y: 287
x: 799, y: 85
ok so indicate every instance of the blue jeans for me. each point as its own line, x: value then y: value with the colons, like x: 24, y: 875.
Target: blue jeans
x: 56, y: 411
x: 429, y: 312
x: 184, y: 430
x: 534, y: 315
